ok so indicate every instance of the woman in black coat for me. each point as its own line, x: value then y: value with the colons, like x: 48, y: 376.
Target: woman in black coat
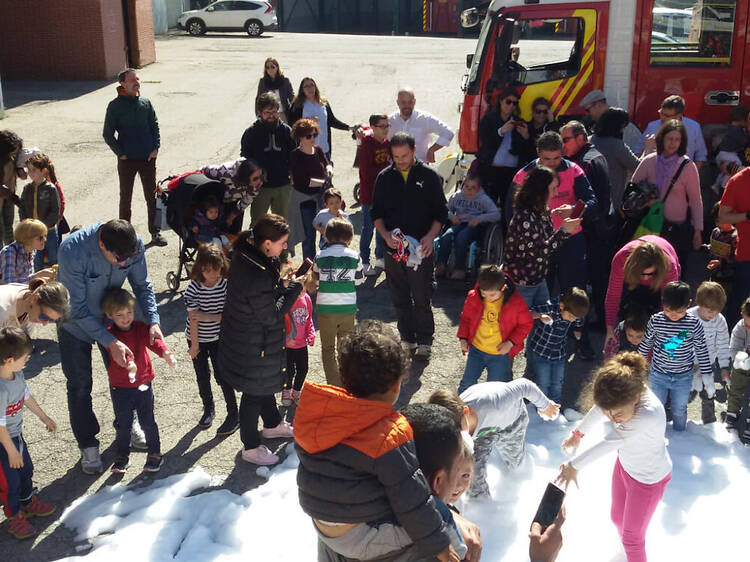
x: 252, y: 355
x: 273, y: 80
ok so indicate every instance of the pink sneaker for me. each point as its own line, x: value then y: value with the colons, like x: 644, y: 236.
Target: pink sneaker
x: 260, y: 455
x: 286, y: 397
x: 295, y: 396
x: 284, y: 429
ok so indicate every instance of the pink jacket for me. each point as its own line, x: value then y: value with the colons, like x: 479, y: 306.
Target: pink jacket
x: 300, y: 330
x: 685, y: 193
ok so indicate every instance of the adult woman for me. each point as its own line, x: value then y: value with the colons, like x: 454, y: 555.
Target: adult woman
x: 10, y: 145
x: 621, y: 161
x: 17, y: 258
x: 501, y: 138
x: 310, y: 171
x: 683, y: 206
x: 309, y: 103
x: 273, y: 80
x: 542, y: 120
x: 532, y: 238
x: 39, y: 302
x: 251, y: 342
x: 639, y: 272
x: 243, y: 178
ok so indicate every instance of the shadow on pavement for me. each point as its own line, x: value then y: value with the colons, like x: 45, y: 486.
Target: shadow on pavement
x: 20, y: 92
x: 46, y: 354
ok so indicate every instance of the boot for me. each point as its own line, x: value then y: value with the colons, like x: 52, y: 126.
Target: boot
x: 708, y: 412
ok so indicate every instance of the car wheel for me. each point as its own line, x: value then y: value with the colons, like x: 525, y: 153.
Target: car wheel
x: 254, y: 28
x: 195, y: 27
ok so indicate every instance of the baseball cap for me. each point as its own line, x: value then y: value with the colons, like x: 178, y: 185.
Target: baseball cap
x: 592, y: 97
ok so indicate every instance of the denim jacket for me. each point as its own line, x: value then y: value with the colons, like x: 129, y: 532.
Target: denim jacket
x: 87, y: 275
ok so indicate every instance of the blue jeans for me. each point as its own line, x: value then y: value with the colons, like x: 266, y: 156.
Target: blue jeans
x: 549, y: 376
x: 308, y: 210
x: 534, y: 294
x: 124, y: 402
x: 51, y: 247
x: 677, y: 387
x: 368, y: 230
x: 459, y: 236
x: 499, y: 368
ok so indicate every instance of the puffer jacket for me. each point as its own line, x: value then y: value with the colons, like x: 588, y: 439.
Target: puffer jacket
x: 252, y: 355
x: 358, y: 463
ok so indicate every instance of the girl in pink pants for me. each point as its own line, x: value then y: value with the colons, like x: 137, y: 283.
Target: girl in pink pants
x: 637, y: 424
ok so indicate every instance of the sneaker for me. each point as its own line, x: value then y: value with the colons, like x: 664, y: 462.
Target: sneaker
x: 120, y: 465
x: 458, y: 275
x: 228, y: 426
x: 296, y: 396
x: 423, y: 352
x: 158, y: 240
x: 260, y: 455
x: 286, y: 397
x: 37, y: 508
x: 153, y: 463
x: 731, y: 421
x: 137, y: 437
x: 721, y: 394
x: 91, y: 462
x: 19, y: 527
x: 440, y: 270
x: 379, y: 263
x: 370, y: 271
x: 206, y: 419
x: 708, y: 410
x: 284, y: 429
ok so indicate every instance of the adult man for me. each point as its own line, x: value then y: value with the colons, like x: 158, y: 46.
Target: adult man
x: 734, y: 208
x: 673, y: 107
x: 598, y: 227
x: 594, y: 104
x: 92, y: 260
x: 269, y: 142
x: 420, y: 125
x: 409, y: 196
x: 133, y: 118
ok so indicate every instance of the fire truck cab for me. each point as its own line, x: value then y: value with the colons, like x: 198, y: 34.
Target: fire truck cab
x: 637, y: 51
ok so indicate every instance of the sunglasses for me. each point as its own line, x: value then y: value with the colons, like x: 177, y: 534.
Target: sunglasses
x: 44, y: 318
x: 510, y: 102
x: 311, y: 136
x: 541, y: 111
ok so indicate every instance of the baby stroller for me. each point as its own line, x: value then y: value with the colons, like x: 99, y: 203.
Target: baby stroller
x: 181, y: 197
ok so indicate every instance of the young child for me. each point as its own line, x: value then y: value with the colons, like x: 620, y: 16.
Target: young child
x: 494, y: 324
x: 300, y: 333
x: 204, y: 299
x: 41, y: 200
x: 355, y: 429
x: 130, y: 386
x: 674, y: 339
x: 710, y: 300
x: 739, y: 349
x: 494, y: 413
x: 207, y: 225
x: 721, y: 251
x: 465, y: 473
x: 643, y: 467
x: 548, y: 341
x: 332, y: 200
x: 374, y: 155
x: 339, y: 269
x: 628, y: 333
x: 17, y: 490
x: 468, y: 209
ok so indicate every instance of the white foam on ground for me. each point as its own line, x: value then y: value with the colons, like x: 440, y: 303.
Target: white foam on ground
x: 702, y: 513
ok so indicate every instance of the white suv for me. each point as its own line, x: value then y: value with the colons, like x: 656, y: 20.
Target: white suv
x: 230, y: 15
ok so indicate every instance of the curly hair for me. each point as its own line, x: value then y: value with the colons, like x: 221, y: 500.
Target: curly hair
x: 304, y: 127
x: 618, y: 382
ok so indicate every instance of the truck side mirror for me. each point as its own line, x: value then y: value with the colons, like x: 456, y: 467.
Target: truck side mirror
x: 469, y: 18
x: 516, y: 33
x: 469, y: 59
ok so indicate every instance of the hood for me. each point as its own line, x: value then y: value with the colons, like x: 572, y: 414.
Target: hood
x: 327, y: 415
x: 189, y: 13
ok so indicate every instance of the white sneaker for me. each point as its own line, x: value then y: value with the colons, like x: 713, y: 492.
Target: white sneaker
x: 370, y: 271
x: 284, y: 429
x: 137, y: 437
x: 91, y: 462
x: 260, y: 456
x: 379, y: 263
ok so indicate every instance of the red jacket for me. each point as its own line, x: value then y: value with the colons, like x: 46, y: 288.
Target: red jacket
x: 137, y: 340
x: 374, y: 156
x: 515, y: 319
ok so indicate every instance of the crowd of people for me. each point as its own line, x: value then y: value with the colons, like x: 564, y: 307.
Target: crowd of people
x: 584, y: 251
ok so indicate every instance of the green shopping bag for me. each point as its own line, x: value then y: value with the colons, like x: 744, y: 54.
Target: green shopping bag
x: 653, y: 222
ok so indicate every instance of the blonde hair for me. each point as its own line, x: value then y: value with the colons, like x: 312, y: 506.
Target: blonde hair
x: 645, y: 255
x: 620, y: 381
x: 52, y: 295
x: 711, y: 295
x: 28, y: 229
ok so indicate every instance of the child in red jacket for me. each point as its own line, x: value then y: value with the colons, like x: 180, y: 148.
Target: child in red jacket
x: 494, y: 324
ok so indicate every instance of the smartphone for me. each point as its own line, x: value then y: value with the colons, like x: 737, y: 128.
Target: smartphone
x: 578, y: 209
x: 550, y: 506
x: 304, y: 268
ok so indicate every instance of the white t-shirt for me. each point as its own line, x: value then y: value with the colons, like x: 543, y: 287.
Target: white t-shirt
x: 8, y: 316
x: 321, y: 220
x: 422, y: 126
x: 313, y: 110
x: 498, y: 404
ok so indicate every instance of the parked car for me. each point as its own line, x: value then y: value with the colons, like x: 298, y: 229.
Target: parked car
x: 230, y: 15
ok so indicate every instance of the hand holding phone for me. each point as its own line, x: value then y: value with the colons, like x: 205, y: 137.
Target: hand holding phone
x: 550, y: 506
x: 578, y: 209
x: 304, y: 268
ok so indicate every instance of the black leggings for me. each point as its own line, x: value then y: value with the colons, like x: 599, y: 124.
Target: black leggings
x: 203, y: 377
x: 250, y: 408
x: 296, y: 367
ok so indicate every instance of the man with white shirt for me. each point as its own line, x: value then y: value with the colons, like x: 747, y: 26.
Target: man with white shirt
x: 673, y: 107
x: 419, y: 124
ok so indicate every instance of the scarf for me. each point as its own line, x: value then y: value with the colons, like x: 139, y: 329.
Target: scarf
x: 665, y: 169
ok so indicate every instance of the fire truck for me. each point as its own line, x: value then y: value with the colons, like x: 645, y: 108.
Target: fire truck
x: 637, y: 51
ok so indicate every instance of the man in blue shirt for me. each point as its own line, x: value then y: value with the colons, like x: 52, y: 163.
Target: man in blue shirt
x: 91, y: 261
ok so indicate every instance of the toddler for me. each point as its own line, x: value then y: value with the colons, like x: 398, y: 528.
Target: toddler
x: 204, y: 299
x: 721, y: 250
x: 548, y: 341
x: 674, y: 339
x: 332, y: 200
x: 465, y: 473
x: 16, y: 469
x: 494, y: 324
x: 494, y: 414
x: 628, y: 334
x: 300, y: 333
x: 130, y: 385
x: 207, y: 225
x: 739, y: 349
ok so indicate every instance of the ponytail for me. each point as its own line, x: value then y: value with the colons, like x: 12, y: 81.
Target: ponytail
x: 620, y: 381
x: 40, y: 161
x: 53, y: 295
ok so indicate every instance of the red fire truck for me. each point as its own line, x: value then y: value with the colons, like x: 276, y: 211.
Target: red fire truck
x: 637, y: 51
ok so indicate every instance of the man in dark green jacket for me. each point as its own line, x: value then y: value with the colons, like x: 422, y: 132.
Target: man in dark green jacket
x: 136, y: 145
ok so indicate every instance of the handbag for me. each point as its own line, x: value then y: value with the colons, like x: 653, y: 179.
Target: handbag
x: 653, y: 222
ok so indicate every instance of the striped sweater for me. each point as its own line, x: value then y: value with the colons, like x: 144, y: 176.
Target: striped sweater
x: 676, y: 345
x: 340, y: 271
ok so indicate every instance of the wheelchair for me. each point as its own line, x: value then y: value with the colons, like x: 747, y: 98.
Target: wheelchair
x: 488, y: 249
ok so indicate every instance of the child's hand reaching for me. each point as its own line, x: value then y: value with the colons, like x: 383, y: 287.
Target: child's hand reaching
x: 464, y: 346
x: 570, y: 445
x: 551, y: 411
x: 568, y: 474
x: 170, y: 359
x: 448, y: 555
x: 49, y: 423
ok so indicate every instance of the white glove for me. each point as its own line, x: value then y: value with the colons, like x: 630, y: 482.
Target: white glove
x: 697, y: 382
x: 741, y: 361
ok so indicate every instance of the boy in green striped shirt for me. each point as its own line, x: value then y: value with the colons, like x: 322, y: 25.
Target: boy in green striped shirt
x: 339, y: 270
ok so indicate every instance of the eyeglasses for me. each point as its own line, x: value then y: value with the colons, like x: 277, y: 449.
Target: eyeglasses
x: 541, y: 111
x: 510, y: 102
x: 44, y: 318
x: 311, y: 136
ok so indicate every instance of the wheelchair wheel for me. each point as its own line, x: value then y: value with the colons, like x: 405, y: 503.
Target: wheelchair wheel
x: 173, y: 281
x: 493, y: 244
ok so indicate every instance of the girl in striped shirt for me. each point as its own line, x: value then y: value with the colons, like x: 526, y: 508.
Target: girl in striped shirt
x: 204, y: 299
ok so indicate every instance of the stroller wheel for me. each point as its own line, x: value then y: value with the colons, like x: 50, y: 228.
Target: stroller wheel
x: 356, y: 192
x: 173, y: 281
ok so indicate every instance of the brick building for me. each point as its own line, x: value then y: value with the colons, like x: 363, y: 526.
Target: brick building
x: 81, y: 40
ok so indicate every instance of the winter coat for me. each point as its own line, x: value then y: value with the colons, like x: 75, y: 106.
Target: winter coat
x: 252, y: 353
x: 283, y: 85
